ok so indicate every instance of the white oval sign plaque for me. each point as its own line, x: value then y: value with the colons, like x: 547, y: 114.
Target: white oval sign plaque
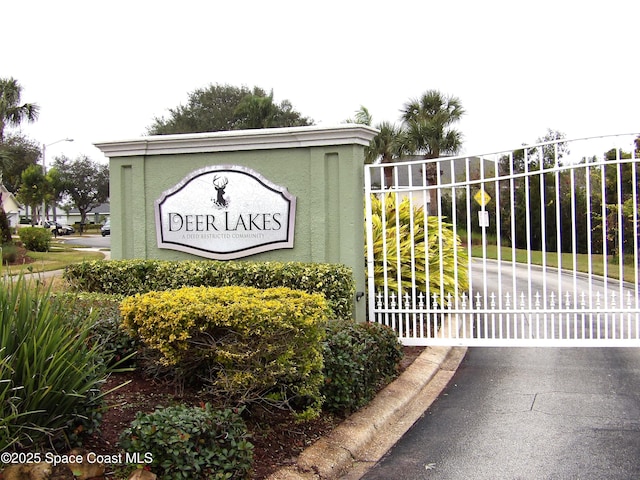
x: 225, y: 212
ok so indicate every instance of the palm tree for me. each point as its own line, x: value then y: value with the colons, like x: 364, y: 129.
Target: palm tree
x: 428, y: 122
x: 385, y: 147
x: 428, y: 130
x: 11, y: 112
x: 362, y: 117
x: 256, y: 111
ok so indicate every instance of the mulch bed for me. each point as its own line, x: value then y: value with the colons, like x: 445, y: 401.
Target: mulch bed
x: 277, y: 438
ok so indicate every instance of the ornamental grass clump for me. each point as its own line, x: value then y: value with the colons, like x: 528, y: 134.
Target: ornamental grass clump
x: 50, y: 377
x: 411, y: 237
x: 244, y: 345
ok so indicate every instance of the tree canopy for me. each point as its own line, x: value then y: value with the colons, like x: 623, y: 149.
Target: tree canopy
x: 17, y: 152
x: 12, y: 113
x: 426, y: 129
x: 428, y: 124
x: 226, y: 107
x: 33, y: 188
x: 85, y: 181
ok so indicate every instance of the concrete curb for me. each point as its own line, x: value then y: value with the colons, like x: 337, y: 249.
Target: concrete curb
x: 363, y: 438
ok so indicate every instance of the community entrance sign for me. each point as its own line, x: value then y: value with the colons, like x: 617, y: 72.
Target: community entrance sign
x: 553, y: 261
x: 242, y: 194
x: 225, y: 212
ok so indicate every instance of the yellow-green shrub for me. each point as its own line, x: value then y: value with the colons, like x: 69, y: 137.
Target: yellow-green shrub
x: 429, y: 242
x: 245, y: 344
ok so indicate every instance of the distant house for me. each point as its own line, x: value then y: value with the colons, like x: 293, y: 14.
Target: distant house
x: 10, y: 206
x: 96, y: 215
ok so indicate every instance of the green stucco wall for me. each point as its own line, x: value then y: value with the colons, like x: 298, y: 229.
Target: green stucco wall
x: 326, y: 179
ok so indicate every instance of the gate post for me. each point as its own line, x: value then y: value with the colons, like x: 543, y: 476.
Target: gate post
x: 319, y: 168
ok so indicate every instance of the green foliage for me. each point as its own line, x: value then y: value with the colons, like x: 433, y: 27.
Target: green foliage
x: 246, y: 345
x: 11, y: 112
x: 33, y: 187
x: 117, y: 346
x: 49, y: 377
x: 428, y: 122
x: 5, y: 228
x: 429, y: 252
x: 192, y: 442
x: 17, y: 152
x: 9, y: 253
x: 35, y: 239
x: 225, y: 107
x: 426, y: 130
x: 129, y: 277
x: 85, y: 181
x: 359, y: 358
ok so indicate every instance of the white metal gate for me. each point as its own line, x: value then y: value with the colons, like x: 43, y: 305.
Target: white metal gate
x: 536, y: 246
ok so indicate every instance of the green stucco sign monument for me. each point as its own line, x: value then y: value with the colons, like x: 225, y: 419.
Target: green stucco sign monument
x: 282, y: 194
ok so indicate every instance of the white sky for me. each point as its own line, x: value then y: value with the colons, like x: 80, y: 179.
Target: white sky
x: 102, y: 70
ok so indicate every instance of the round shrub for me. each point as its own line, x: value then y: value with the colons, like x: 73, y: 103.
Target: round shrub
x: 191, y: 442
x: 246, y: 345
x: 35, y: 239
x: 359, y: 358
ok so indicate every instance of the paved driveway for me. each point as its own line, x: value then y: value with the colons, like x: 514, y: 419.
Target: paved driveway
x: 528, y: 413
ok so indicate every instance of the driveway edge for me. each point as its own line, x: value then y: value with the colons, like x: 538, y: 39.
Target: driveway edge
x: 362, y: 439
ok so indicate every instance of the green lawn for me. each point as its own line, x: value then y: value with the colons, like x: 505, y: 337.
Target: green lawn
x: 55, y: 259
x: 582, y: 265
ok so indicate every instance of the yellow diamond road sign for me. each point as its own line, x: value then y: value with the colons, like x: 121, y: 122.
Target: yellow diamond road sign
x: 482, y: 197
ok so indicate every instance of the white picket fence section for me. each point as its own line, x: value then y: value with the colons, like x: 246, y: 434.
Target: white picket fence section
x: 549, y: 250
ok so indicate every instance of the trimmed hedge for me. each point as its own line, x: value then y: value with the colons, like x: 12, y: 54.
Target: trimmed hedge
x: 359, y: 358
x: 129, y: 277
x: 246, y: 345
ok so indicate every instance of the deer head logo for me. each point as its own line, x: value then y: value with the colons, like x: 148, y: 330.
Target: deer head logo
x: 220, y: 183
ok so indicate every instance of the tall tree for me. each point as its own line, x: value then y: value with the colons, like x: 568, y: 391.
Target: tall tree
x: 428, y: 130
x: 85, y: 181
x: 428, y: 123
x: 12, y: 113
x: 385, y: 147
x: 17, y: 152
x: 225, y: 107
x: 33, y: 189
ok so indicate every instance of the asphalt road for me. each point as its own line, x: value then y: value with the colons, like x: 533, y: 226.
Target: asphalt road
x: 528, y: 413
x: 594, y: 299
x: 86, y: 240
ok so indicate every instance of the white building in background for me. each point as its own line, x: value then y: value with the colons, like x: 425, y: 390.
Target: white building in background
x: 10, y: 206
x: 97, y: 215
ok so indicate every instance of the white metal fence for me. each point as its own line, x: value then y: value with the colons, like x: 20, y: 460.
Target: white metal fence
x: 533, y: 246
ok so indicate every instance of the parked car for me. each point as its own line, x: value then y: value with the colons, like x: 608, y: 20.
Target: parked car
x: 59, y: 229
x: 67, y: 230
x: 106, y: 228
